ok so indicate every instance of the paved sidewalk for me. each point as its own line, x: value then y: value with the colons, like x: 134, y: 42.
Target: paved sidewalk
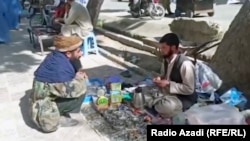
x: 18, y: 61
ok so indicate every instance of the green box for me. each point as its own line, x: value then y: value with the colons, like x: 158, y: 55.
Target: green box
x: 115, y: 97
x: 116, y: 86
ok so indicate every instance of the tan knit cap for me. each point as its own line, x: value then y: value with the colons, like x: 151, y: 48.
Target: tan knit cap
x: 64, y: 44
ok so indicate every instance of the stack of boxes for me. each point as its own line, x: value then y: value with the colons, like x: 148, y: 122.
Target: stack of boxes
x: 115, y: 94
x: 106, y: 96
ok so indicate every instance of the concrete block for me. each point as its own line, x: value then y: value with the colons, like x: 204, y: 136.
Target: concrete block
x: 198, y: 31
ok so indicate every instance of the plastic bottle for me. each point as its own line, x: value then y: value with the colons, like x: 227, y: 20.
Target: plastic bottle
x: 234, y: 97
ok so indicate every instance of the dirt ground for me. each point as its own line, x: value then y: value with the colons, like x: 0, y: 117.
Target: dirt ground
x: 138, y: 57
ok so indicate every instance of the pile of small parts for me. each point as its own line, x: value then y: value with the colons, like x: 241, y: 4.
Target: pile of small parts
x: 117, y: 125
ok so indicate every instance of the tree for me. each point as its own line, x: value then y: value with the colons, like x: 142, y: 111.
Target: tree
x: 94, y: 8
x: 232, y: 57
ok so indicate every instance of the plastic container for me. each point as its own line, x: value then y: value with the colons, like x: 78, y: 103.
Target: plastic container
x: 102, y: 100
x: 91, y: 90
x: 127, y: 97
x: 96, y: 82
x: 99, y: 107
x: 233, y: 97
x: 116, y: 97
x: 112, y: 79
x: 87, y: 99
x: 115, y: 86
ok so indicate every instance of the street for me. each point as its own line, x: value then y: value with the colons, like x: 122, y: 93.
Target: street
x: 224, y: 14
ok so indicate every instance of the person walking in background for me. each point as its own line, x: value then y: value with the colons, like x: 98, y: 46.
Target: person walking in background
x: 166, y: 5
x: 14, y: 10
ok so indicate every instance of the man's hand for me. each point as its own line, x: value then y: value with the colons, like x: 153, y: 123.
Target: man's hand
x: 82, y: 75
x: 162, y: 83
x: 58, y: 20
x: 156, y: 79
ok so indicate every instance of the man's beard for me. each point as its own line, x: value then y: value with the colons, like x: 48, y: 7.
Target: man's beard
x: 76, y: 63
x: 75, y: 58
x: 170, y: 53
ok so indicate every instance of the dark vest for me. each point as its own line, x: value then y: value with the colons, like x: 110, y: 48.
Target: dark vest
x: 175, y: 75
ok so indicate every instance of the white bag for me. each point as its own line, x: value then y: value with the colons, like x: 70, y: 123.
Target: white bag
x: 206, y: 80
x: 219, y: 114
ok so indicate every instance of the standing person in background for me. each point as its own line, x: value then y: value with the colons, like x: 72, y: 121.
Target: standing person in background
x: 166, y: 5
x: 14, y: 11
x: 4, y: 34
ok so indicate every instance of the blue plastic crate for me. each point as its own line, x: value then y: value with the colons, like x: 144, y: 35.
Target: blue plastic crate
x: 87, y: 99
x: 112, y: 79
x: 95, y: 82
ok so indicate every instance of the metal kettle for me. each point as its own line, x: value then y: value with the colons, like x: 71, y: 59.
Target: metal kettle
x: 138, y: 98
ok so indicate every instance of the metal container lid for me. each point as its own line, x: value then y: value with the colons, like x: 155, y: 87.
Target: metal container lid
x: 138, y: 90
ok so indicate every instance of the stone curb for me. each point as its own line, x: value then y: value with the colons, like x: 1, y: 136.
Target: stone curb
x: 128, y: 41
x: 149, y: 41
x: 150, y: 44
x: 145, y: 44
x: 121, y: 38
x: 106, y: 25
x: 120, y: 60
x: 114, y: 25
x: 126, y: 64
x: 125, y: 33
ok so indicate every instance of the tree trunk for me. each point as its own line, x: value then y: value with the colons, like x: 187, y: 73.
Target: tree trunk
x: 232, y: 58
x: 94, y: 8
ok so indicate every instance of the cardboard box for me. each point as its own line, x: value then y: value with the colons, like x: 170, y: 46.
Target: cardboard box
x: 115, y: 97
x: 115, y: 86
